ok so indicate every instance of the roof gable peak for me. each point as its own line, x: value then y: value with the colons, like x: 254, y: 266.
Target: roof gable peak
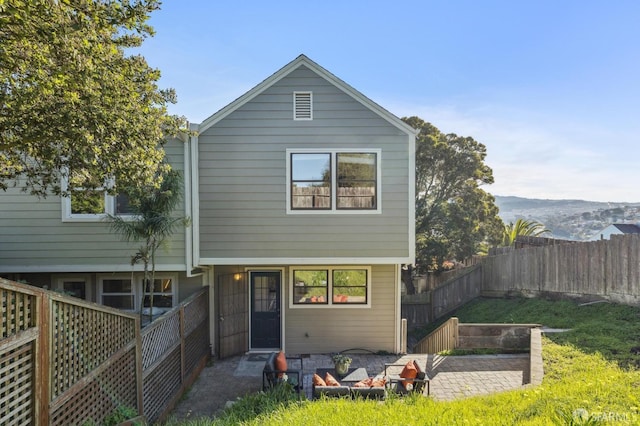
x: 303, y: 60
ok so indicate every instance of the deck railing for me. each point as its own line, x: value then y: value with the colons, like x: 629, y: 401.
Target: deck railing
x: 443, y: 338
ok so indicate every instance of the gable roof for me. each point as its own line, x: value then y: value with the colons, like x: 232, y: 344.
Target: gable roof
x: 627, y: 228
x: 302, y: 60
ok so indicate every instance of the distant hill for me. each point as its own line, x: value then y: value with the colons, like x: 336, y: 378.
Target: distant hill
x: 568, y: 219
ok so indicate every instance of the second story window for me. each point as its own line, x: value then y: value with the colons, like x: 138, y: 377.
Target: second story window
x: 88, y: 205
x: 311, y: 181
x: 333, y: 181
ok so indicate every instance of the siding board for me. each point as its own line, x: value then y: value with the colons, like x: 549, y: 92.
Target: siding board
x: 33, y: 233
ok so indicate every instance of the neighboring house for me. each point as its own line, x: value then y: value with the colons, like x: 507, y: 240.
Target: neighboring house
x: 615, y: 229
x: 301, y: 194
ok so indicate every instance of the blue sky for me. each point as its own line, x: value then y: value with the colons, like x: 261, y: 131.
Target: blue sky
x: 549, y: 87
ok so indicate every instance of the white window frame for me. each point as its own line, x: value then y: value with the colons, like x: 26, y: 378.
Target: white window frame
x: 109, y: 207
x: 330, y: 304
x: 334, y: 191
x: 60, y: 280
x: 137, y: 289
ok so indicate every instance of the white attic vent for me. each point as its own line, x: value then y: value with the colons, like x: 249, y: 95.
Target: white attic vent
x: 302, y: 106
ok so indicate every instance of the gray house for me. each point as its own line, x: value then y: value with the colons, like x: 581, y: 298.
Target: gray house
x: 301, y: 194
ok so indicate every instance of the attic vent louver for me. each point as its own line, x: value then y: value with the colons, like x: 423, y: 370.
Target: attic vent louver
x: 302, y: 106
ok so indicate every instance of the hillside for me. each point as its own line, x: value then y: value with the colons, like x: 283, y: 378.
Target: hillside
x: 568, y: 219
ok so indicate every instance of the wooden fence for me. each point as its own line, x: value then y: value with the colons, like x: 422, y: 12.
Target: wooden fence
x: 604, y: 269
x: 424, y: 308
x: 66, y: 361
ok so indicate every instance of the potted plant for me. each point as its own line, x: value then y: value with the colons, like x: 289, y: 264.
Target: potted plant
x: 342, y: 363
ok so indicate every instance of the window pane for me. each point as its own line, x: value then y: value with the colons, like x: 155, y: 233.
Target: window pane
x: 310, y: 286
x: 159, y: 301
x: 350, y: 286
x: 75, y: 288
x: 116, y: 286
x: 121, y: 204
x: 160, y: 285
x: 87, y: 202
x: 118, y: 301
x: 311, y: 181
x: 357, y: 181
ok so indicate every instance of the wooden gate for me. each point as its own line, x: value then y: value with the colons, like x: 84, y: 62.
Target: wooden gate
x: 233, y: 314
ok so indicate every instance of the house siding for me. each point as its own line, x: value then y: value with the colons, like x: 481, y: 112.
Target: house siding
x: 34, y: 237
x: 242, y: 178
x: 323, y: 330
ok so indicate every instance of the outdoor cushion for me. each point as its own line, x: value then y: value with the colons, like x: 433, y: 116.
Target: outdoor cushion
x: 365, y: 383
x: 330, y: 380
x: 280, y: 363
x: 410, y: 371
x: 318, y: 381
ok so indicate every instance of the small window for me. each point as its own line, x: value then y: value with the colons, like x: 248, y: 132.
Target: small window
x: 310, y: 286
x: 356, y: 180
x: 349, y: 286
x: 162, y: 294
x: 302, y: 106
x: 121, y: 205
x: 311, y: 181
x: 86, y: 205
x: 75, y: 288
x: 118, y: 293
x: 86, y: 202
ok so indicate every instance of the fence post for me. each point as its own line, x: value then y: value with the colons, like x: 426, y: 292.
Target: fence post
x: 42, y: 376
x: 456, y: 335
x: 403, y: 336
x: 182, y: 345
x: 139, y: 376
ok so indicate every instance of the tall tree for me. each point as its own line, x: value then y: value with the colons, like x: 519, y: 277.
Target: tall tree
x: 528, y: 228
x: 72, y: 102
x: 455, y: 218
x: 153, y: 222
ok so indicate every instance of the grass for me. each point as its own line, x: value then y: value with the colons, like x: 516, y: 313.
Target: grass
x: 590, y: 378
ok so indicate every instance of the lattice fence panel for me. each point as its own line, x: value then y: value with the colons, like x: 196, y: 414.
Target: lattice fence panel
x: 160, y: 337
x: 17, y: 311
x: 196, y: 347
x: 16, y: 384
x: 82, y: 339
x: 113, y: 387
x: 196, y: 311
x: 161, y: 384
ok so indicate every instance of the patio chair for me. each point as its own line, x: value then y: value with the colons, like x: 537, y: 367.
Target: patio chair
x: 412, y: 378
x: 277, y: 370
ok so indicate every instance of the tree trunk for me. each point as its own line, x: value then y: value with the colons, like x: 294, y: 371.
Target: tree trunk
x: 407, y: 278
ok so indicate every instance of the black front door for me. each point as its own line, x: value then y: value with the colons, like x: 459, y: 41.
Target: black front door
x: 265, y: 310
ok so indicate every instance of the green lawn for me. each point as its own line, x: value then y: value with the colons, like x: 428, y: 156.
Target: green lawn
x: 591, y: 377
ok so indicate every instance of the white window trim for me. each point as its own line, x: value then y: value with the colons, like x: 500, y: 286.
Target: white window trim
x: 333, y: 153
x: 329, y: 304
x: 136, y: 287
x: 60, y: 280
x: 109, y: 204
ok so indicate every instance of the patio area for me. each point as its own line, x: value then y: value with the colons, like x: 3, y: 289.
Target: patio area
x: 223, y: 381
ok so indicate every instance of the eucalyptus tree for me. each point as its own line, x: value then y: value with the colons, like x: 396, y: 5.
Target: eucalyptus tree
x: 152, y: 222
x: 455, y: 217
x: 74, y: 99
